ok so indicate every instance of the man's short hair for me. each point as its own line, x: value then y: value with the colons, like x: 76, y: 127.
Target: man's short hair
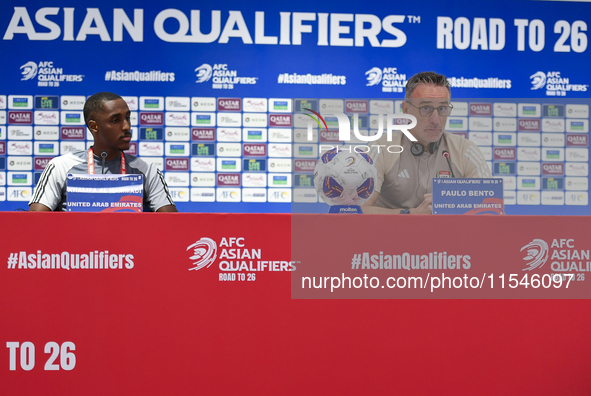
x: 426, y: 78
x: 95, y: 103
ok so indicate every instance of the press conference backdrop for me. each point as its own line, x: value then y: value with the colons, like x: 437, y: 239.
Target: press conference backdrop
x: 217, y: 90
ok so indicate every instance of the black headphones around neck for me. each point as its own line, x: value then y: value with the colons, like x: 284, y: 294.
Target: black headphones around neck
x: 417, y: 149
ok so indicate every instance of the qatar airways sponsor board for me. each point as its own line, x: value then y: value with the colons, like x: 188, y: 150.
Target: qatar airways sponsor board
x: 528, y: 154
x: 20, y: 132
x: 501, y: 109
x: 280, y: 135
x: 300, y: 135
x: 47, y: 133
x: 552, y: 169
x: 177, y: 119
x: 202, y: 164
x: 203, y: 104
x: 279, y: 150
x: 577, y: 126
x: 577, y: 111
x: 280, y: 120
x: 530, y: 139
x: 505, y: 124
x: 151, y: 118
x: 254, y: 195
x: 480, y: 109
x: 528, y: 125
x: 132, y: 149
x: 304, y: 165
x: 577, y: 154
x: 2, y: 148
x: 203, y: 119
x: 504, y: 154
x: 19, y: 148
x: 153, y: 149
x: 229, y: 104
x: 229, y: 119
x: 254, y: 180
x: 329, y: 136
x: 357, y: 106
x: 253, y: 105
x: 529, y: 110
x: 250, y: 120
x: 229, y: 134
x: 177, y: 134
x: 152, y: 103
x: 177, y: 179
x: 203, y: 180
x: 20, y: 117
x: 73, y: 133
x: 553, y: 139
x: 228, y: 180
x: 203, y: 134
x: 46, y: 148
x: 175, y: 103
x: 254, y: 135
x: 41, y: 162
x: 44, y: 117
x: 72, y: 146
x: 254, y: 150
x: 577, y: 140
x: 381, y: 107
x: 556, y: 125
x: 481, y: 138
x: 176, y: 164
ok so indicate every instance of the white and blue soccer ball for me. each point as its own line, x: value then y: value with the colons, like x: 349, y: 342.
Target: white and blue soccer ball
x: 345, y: 178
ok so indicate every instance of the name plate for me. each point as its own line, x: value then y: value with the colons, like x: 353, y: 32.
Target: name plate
x: 105, y: 193
x: 468, y: 196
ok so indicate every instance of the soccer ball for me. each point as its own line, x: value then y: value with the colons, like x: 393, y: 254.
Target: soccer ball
x: 344, y: 178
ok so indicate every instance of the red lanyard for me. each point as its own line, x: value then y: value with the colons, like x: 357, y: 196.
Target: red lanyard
x: 91, y: 163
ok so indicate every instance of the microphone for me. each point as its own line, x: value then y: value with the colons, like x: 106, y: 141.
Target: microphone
x: 104, y: 155
x: 445, y: 155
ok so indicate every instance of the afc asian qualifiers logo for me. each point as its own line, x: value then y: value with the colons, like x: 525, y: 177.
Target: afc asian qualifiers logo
x: 537, y: 254
x: 204, y: 73
x: 204, y: 251
x: 538, y: 80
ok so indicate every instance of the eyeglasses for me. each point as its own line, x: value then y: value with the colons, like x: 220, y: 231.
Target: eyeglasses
x: 426, y: 111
